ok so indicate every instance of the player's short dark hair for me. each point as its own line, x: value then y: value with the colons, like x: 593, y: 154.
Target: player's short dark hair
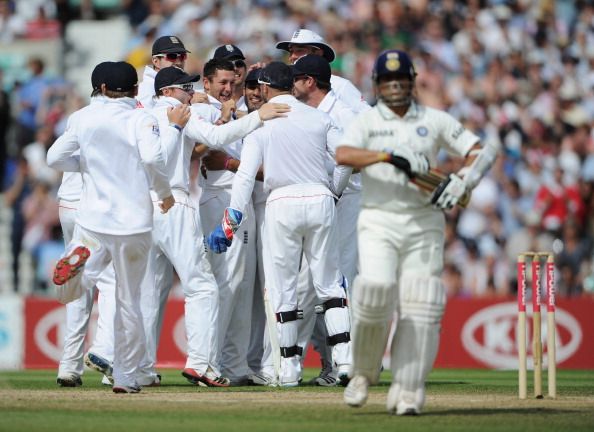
x: 323, y: 85
x: 213, y: 65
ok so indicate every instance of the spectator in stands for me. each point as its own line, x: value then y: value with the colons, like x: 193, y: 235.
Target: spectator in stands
x: 5, y: 122
x: 30, y: 95
x: 12, y: 26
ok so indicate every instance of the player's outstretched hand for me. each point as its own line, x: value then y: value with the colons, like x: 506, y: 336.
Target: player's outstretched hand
x: 180, y: 114
x: 268, y: 111
x: 449, y: 192
x: 217, y: 240
x: 166, y: 204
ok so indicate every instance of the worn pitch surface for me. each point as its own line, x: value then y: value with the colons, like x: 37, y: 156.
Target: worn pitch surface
x: 456, y: 400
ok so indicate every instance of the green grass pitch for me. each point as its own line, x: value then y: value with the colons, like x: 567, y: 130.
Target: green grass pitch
x: 457, y: 400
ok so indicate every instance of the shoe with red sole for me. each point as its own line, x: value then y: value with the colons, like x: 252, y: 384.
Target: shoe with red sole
x: 209, y: 378
x: 71, y: 265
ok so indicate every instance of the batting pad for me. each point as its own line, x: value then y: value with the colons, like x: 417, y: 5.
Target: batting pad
x: 415, y: 344
x: 372, y: 307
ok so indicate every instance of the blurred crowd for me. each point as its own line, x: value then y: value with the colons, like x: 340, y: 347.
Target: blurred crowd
x: 520, y: 73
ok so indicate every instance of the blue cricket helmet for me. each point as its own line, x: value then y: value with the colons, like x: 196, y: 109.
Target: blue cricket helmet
x: 393, y: 62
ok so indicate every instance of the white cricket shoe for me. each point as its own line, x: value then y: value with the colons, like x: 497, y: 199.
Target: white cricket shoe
x: 355, y: 394
x: 262, y: 379
x: 69, y: 380
x: 404, y: 403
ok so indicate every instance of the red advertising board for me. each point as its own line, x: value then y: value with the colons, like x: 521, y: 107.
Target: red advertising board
x: 475, y: 334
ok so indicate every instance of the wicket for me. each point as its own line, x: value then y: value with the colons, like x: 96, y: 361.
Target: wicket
x: 535, y: 258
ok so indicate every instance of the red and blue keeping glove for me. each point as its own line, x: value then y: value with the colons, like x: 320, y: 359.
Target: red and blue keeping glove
x: 220, y: 239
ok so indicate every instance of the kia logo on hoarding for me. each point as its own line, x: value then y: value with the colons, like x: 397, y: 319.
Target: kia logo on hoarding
x: 491, y: 334
x: 50, y: 331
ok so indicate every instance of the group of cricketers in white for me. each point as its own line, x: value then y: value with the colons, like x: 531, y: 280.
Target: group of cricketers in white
x: 308, y: 226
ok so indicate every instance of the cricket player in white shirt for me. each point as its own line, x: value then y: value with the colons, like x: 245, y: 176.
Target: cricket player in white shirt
x: 304, y: 42
x: 312, y: 86
x: 401, y: 231
x: 177, y: 236
x: 166, y: 51
x: 235, y: 271
x: 120, y: 158
x: 300, y: 216
x: 78, y: 312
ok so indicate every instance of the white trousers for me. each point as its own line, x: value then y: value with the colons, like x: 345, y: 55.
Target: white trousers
x: 300, y: 221
x: 178, y: 242
x: 78, y: 312
x: 129, y: 255
x: 234, y: 272
x: 259, y: 352
x: 312, y: 326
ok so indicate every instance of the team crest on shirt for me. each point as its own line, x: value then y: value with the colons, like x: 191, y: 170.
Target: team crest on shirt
x: 156, y: 130
x: 422, y: 131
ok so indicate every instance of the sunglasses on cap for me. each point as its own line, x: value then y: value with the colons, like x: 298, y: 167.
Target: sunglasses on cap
x: 238, y: 63
x: 173, y: 56
x: 185, y: 87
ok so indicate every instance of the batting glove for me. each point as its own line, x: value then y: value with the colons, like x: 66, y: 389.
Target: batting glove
x: 409, y: 161
x: 449, y: 192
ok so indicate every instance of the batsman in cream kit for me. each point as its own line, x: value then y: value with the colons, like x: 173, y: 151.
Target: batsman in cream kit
x: 401, y: 230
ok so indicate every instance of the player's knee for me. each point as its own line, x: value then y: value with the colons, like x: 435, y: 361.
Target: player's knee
x: 372, y: 301
x: 422, y: 298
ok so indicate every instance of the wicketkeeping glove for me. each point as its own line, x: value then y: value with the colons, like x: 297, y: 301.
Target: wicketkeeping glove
x: 448, y: 192
x: 220, y: 239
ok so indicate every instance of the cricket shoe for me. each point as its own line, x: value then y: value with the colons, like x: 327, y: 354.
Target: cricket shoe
x: 71, y: 265
x: 356, y: 392
x: 154, y: 381
x: 126, y: 389
x: 404, y: 403
x: 99, y: 364
x: 262, y: 379
x: 326, y: 378
x: 69, y: 380
x: 209, y: 378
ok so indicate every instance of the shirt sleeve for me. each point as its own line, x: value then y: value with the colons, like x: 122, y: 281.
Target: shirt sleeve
x: 352, y: 97
x: 341, y: 174
x: 61, y: 155
x: 454, y: 137
x: 355, y: 135
x: 243, y: 182
x: 217, y: 137
x: 149, y: 148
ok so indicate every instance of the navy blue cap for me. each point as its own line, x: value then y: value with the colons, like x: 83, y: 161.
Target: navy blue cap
x: 313, y: 65
x: 393, y: 62
x: 228, y: 52
x: 253, y: 75
x: 120, y: 76
x: 168, y: 44
x: 173, y: 75
x: 277, y: 75
x: 98, y: 75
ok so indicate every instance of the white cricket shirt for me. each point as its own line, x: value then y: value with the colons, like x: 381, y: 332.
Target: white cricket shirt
x: 146, y: 88
x: 424, y: 129
x: 342, y: 116
x: 120, y: 157
x: 71, y: 186
x: 178, y: 152
x: 293, y: 150
x: 348, y: 93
